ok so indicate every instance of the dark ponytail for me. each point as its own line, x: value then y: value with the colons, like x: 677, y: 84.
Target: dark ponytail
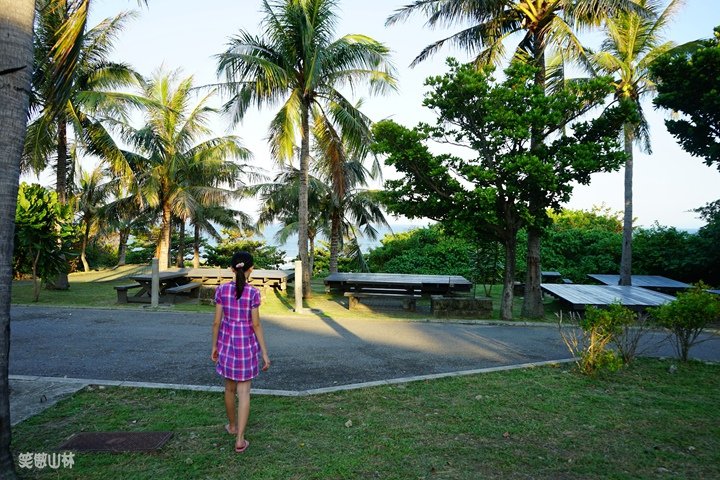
x: 241, y: 262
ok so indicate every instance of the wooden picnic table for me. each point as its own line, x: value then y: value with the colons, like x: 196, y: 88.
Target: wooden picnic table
x: 259, y: 277
x: 171, y: 283
x: 580, y: 296
x: 415, y: 284
x: 653, y: 282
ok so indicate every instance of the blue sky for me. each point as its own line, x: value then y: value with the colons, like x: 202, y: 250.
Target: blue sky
x: 187, y: 34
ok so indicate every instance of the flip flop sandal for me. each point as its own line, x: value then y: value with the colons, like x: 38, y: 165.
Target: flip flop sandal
x: 227, y: 429
x: 243, y: 448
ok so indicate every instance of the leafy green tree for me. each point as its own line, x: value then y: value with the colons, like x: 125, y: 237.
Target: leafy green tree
x: 580, y: 242
x: 541, y: 27
x: 234, y: 240
x: 632, y: 43
x: 497, y: 121
x: 688, y: 81
x: 428, y: 251
x: 174, y: 168
x: 687, y: 316
x: 299, y: 64
x: 705, y: 242
x: 664, y: 251
x: 44, y: 233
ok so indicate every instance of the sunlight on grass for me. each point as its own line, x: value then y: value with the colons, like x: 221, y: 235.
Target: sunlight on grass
x: 95, y: 289
x: 544, y: 423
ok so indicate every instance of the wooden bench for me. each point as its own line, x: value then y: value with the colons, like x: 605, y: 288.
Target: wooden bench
x: 172, y: 292
x: 122, y: 291
x: 407, y: 298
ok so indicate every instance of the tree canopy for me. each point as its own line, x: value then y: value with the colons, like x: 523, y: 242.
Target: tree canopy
x: 688, y: 82
x: 491, y: 192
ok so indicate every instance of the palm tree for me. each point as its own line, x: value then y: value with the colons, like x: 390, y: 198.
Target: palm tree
x: 340, y: 166
x: 338, y: 219
x: 89, y: 95
x: 298, y: 63
x: 206, y: 219
x: 171, y: 166
x: 16, y: 30
x: 73, y: 87
x: 90, y: 201
x: 632, y: 42
x: 277, y: 200
x: 124, y: 214
x: 540, y: 25
x: 212, y: 209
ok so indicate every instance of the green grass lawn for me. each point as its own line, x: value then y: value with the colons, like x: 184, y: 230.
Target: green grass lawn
x: 95, y: 289
x: 541, y: 423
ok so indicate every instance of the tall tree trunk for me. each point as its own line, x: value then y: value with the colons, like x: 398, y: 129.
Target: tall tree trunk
x: 124, y: 234
x: 506, y: 303
x: 196, y: 247
x: 83, y: 248
x: 60, y: 280
x: 163, y: 251
x: 180, y: 257
x: 61, y: 170
x: 16, y: 62
x: 532, y: 300
x: 311, y: 256
x: 334, y: 241
x: 626, y: 257
x: 303, y: 212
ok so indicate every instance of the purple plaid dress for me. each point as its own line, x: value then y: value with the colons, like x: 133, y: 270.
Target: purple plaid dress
x: 237, y: 344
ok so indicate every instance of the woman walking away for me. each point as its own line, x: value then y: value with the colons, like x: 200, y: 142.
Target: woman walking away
x: 237, y: 339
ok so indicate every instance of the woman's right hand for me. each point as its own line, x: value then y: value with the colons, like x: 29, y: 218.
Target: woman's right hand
x: 214, y: 355
x: 266, y: 362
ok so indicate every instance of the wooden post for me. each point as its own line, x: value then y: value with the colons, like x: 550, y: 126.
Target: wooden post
x: 155, y: 286
x: 298, y: 287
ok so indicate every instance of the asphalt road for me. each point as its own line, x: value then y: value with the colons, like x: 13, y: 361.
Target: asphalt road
x: 307, y: 352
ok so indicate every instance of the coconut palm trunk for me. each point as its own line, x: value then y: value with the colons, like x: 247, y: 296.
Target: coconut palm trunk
x: 16, y: 60
x: 196, y: 247
x: 626, y: 256
x: 180, y: 258
x: 83, y: 248
x: 303, y: 210
x: 124, y: 235
x: 60, y: 281
x: 163, y: 252
x: 532, y: 300
x: 335, y: 222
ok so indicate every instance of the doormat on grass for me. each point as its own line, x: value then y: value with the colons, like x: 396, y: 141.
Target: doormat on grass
x: 116, y: 441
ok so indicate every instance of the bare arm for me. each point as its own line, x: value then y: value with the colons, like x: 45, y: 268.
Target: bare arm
x: 258, y: 329
x: 216, y: 329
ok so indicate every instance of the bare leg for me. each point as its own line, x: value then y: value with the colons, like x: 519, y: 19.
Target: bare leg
x: 243, y: 393
x: 230, y: 390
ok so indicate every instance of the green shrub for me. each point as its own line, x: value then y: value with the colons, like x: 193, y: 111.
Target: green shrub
x: 589, y: 336
x: 423, y: 251
x: 687, y: 316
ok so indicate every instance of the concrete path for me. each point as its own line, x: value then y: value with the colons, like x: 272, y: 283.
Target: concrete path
x: 59, y: 349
